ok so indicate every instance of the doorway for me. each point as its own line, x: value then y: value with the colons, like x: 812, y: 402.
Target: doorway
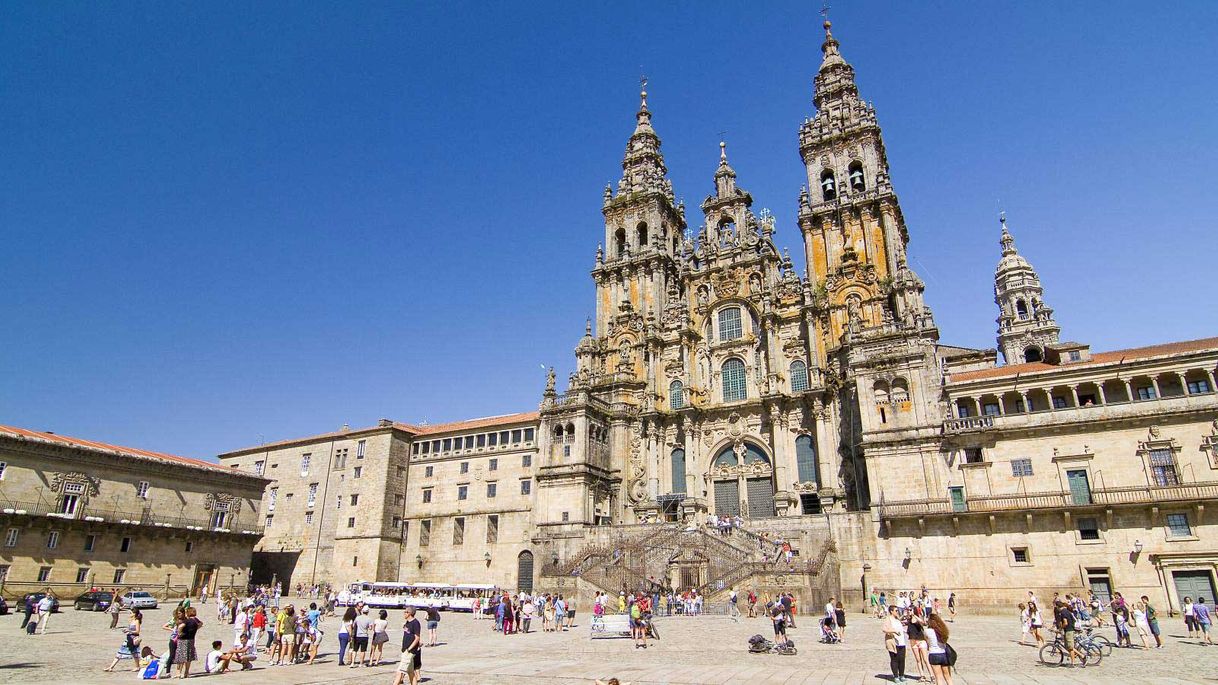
x: 727, y: 497
x: 524, y: 572
x: 1193, y: 584
x: 204, y: 577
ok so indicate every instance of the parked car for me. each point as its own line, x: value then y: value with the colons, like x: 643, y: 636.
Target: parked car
x: 137, y: 599
x: 37, y: 597
x: 93, y: 601
x: 3, y: 607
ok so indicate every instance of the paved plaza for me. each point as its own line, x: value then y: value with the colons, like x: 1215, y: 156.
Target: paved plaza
x: 707, y: 649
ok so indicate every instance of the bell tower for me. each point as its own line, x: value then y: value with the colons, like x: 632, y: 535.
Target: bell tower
x: 1025, y: 322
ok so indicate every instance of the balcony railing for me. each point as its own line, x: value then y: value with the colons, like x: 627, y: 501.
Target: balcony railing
x: 1138, y: 494
x: 969, y: 423
x: 111, y: 515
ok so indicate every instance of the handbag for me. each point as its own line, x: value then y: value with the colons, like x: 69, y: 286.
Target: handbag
x: 951, y: 654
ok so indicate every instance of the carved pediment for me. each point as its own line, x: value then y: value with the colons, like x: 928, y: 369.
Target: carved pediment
x: 80, y: 483
x: 218, y: 501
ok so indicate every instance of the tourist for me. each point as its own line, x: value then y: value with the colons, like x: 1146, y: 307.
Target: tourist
x: 788, y: 604
x: 778, y: 616
x: 873, y: 603
x: 241, y: 623
x: 30, y: 607
x: 951, y: 607
x: 1201, y: 614
x: 212, y: 663
x: 115, y: 609
x: 918, y: 644
x: 131, y: 641
x: 412, y: 650
x: 529, y: 608
x: 560, y: 610
x: 362, y: 625
x: 509, y: 618
x: 476, y: 608
x: 1120, y: 620
x: 1190, y: 620
x: 839, y: 614
x: 257, y: 624
x: 1097, y: 609
x: 244, y: 652
x: 1036, y: 622
x: 940, y: 663
x: 621, y: 602
x: 1025, y: 622
x: 548, y: 615
x: 1140, y: 624
x: 571, y: 612
x: 179, y: 615
x: 344, y: 633
x: 185, y: 652
x: 46, y: 606
x: 752, y: 600
x: 433, y: 622
x: 896, y: 642
x: 1064, y: 619
x: 380, y: 635
x: 637, y: 626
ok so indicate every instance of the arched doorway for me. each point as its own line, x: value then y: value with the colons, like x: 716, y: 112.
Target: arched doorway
x: 524, y: 572
x: 743, y: 467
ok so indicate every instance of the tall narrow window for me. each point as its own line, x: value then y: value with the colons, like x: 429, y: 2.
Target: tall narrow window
x: 1021, y: 309
x: 459, y: 530
x: 1163, y: 465
x: 304, y: 464
x: 619, y: 240
x: 359, y: 449
x: 10, y: 539
x: 641, y: 232
x: 857, y: 180
x: 676, y: 395
x: 678, y: 471
x: 492, y: 528
x: 733, y: 381
x: 259, y: 467
x: 425, y: 533
x: 141, y: 489
x: 270, y: 499
x: 53, y: 539
x: 828, y: 185
x: 312, y: 494
x: 729, y: 324
x: 805, y: 459
x: 799, y: 376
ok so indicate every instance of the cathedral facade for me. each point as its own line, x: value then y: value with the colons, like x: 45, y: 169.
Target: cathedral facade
x: 717, y: 380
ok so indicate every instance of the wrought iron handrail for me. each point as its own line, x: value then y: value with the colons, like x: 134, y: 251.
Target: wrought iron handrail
x: 1054, y: 499
x: 91, y: 513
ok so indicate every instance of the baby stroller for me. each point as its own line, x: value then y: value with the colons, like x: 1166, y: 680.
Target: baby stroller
x: 828, y: 635
x: 760, y: 645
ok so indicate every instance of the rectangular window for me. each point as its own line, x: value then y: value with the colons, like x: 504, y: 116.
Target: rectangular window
x: 482, y: 440
x: 270, y: 519
x: 448, y: 444
x: 44, y: 574
x: 53, y: 539
x: 957, y: 497
x: 312, y: 495
x: 492, y: 529
x: 351, y: 522
x: 465, y: 467
x: 270, y: 501
x: 973, y: 455
x: 566, y: 450
x: 304, y: 463
x: 566, y: 516
x: 10, y: 540
x: 1194, y: 388
x: 308, y: 518
x: 399, y: 500
x: 1075, y: 355
x: 359, y: 471
x: 3, y: 468
x: 1163, y: 466
x: 435, y: 446
x: 1088, y: 529
x: 526, y: 486
x: 120, y: 574
x: 1021, y: 467
x: 1146, y: 393
x: 494, y: 439
x: 515, y: 436
x: 259, y: 467
x: 462, y: 492
x: 990, y: 409
x: 1020, y: 555
x: 469, y: 442
x: 125, y: 545
x: 414, y: 449
x: 340, y: 459
x: 729, y: 324
x: 359, y: 449
x: 429, y: 472
x: 459, y: 531
x: 338, y: 502
x: 526, y: 461
x: 424, y: 532
x: 503, y: 438
x: 426, y: 447
x: 397, y: 522
x: 1177, y: 526
x: 90, y: 542
x: 82, y: 575
x: 493, y: 466
x: 354, y: 500
x: 528, y: 435
x: 190, y: 547
x: 426, y: 495
x: 141, y: 489
x: 1059, y: 403
x: 491, y: 489
x: 68, y: 504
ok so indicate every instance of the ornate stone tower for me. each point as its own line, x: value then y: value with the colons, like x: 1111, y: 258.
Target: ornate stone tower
x: 1025, y: 322
x: 877, y: 337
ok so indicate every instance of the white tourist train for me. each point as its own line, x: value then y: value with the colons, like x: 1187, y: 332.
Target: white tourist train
x: 443, y: 596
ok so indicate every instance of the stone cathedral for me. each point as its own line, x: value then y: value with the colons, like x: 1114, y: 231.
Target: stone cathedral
x: 818, y: 407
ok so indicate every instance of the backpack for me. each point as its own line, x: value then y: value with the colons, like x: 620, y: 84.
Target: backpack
x: 635, y: 613
x: 151, y: 670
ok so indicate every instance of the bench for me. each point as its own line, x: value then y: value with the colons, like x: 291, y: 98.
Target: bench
x: 611, y: 624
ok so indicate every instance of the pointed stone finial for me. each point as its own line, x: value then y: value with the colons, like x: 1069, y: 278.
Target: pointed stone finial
x: 1007, y: 240
x: 643, y: 93
x: 588, y: 326
x: 723, y: 151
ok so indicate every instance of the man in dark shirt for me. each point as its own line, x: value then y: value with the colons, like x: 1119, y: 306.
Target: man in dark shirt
x: 777, y: 613
x: 412, y: 650
x: 1064, y: 618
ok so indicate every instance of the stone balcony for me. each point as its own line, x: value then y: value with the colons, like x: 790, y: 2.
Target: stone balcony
x: 1054, y: 500
x: 1085, y: 414
x: 98, y: 515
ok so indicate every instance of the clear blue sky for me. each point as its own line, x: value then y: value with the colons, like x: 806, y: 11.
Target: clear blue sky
x: 222, y: 223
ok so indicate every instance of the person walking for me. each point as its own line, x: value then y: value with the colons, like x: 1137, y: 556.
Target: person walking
x: 131, y: 642
x: 1064, y: 619
x: 951, y: 607
x: 362, y: 625
x: 570, y: 612
x: 896, y: 641
x: 412, y: 644
x: 1025, y: 622
x: 839, y: 613
x: 30, y: 606
x: 1190, y: 618
x: 1036, y: 622
x: 344, y: 633
x: 433, y: 623
x: 1202, y: 615
x: 115, y: 609
x: 937, y: 636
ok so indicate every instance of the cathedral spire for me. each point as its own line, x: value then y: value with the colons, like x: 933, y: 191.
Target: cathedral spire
x: 643, y: 167
x: 1025, y: 322
x: 835, y: 80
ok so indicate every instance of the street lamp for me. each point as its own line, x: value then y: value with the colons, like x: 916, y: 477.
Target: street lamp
x: 419, y: 560
x: 487, y: 557
x: 908, y: 554
x: 1137, y: 546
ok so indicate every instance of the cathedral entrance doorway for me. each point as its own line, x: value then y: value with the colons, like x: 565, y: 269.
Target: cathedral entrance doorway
x: 524, y: 572
x: 743, y: 469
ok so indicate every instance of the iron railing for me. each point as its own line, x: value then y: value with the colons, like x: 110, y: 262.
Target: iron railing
x: 92, y: 513
x: 1056, y: 499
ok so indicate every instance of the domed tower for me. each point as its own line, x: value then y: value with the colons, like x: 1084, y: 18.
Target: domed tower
x: 1025, y: 322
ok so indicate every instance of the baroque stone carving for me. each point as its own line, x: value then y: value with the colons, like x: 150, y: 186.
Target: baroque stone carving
x: 89, y: 484
x: 218, y: 501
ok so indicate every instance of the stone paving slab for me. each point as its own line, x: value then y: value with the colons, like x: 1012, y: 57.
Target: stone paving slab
x: 705, y: 650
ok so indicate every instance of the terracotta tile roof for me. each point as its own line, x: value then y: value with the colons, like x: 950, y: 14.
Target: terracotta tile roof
x: 471, y: 424
x: 1096, y: 358
x: 94, y: 446
x: 320, y: 437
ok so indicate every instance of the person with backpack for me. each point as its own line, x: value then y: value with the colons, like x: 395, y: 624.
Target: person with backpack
x: 637, y: 626
x: 752, y: 598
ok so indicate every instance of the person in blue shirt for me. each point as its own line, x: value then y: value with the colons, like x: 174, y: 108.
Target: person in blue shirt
x: 314, y: 616
x: 1201, y: 615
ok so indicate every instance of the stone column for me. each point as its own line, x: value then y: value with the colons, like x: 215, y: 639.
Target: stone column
x: 1074, y: 392
x: 1128, y: 390
x: 1027, y: 406
x: 1155, y: 382
x: 1099, y: 386
x: 1183, y: 383
x: 1213, y: 385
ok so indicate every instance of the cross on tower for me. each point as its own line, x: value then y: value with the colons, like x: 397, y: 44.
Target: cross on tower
x: 765, y: 213
x: 824, y: 10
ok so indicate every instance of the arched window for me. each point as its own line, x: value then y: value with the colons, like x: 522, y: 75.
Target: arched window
x: 805, y: 459
x: 619, y: 243
x: 799, y: 376
x: 857, y: 181
x: 641, y: 234
x: 828, y: 185
x: 676, y: 395
x: 1021, y: 309
x: 570, y: 433
x: 900, y: 390
x: 729, y: 324
x: 734, y: 389
x: 726, y: 457
x: 678, y: 471
x: 880, y: 390
x: 754, y: 455
x: 1032, y: 354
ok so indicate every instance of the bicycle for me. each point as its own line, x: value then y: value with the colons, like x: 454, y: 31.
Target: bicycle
x: 1055, y: 653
